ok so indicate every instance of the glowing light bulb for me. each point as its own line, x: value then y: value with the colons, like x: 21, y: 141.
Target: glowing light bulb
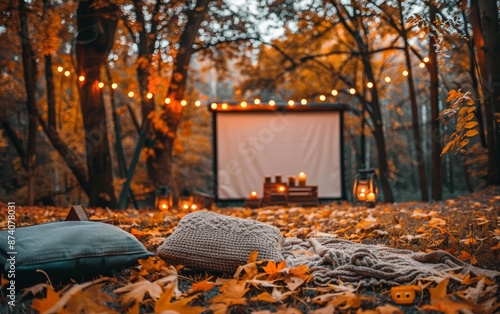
x: 335, y: 92
x: 167, y: 100
x: 426, y: 59
x: 114, y: 86
x: 81, y: 78
x: 303, y: 102
x: 183, y: 103
x: 66, y: 73
x: 369, y: 84
x: 149, y: 95
x: 164, y: 206
x: 224, y: 106
x: 387, y: 79
x: 422, y: 65
x: 60, y: 69
x: 291, y: 103
x: 131, y: 94
x: 405, y: 73
x: 101, y: 84
x: 256, y: 101
x: 213, y: 106
x: 272, y: 103
x: 243, y: 104
x: 197, y: 103
x: 322, y: 97
x: 194, y: 206
x: 352, y: 91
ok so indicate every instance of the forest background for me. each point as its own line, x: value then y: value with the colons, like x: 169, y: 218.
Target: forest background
x: 105, y: 101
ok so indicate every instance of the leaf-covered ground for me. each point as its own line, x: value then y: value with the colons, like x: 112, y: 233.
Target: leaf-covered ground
x: 467, y: 227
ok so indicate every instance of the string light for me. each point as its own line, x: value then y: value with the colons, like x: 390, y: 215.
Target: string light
x: 322, y: 97
x: 167, y: 101
x: 197, y: 103
x: 114, y: 86
x: 224, y: 106
x: 426, y: 59
x: 149, y: 95
x: 243, y: 104
x: 387, y: 79
x: 369, y: 84
x: 422, y: 65
x: 60, y: 69
x: 405, y: 73
x: 352, y: 91
x: 256, y: 101
x: 272, y: 103
x: 131, y: 94
x: 66, y: 73
x: 213, y: 105
x: 291, y: 103
x: 81, y: 78
x: 101, y: 84
x: 335, y: 92
x: 183, y: 103
x: 303, y: 102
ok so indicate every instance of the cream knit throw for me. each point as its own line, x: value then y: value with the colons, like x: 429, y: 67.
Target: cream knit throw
x: 332, y: 259
x: 210, y: 241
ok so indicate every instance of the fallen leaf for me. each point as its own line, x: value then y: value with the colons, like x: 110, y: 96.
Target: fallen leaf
x: 388, y: 309
x: 43, y: 305
x: 273, y: 269
x: 232, y: 293
x: 265, y: 297
x: 137, y: 291
x: 439, y: 292
x: 448, y: 306
x: 164, y: 304
x: 202, y: 286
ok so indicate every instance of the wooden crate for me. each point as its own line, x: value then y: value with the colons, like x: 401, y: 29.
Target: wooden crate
x: 303, y: 195
x: 272, y: 196
x: 252, y: 203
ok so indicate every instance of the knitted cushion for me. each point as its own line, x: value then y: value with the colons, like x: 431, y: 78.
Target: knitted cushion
x: 210, y: 241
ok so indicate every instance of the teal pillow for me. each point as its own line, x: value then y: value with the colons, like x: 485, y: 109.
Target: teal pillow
x: 66, y: 250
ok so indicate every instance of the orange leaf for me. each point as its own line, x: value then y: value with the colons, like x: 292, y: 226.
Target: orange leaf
x: 164, y: 304
x: 272, y: 269
x: 265, y: 297
x: 464, y: 256
x: 202, y: 286
x: 448, y: 306
x: 232, y: 293
x: 252, y: 257
x: 387, y: 309
x: 496, y: 247
x: 137, y: 291
x: 439, y: 292
x: 46, y: 303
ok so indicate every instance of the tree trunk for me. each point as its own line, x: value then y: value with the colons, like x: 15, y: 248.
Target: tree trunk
x: 29, y: 71
x: 488, y: 52
x: 95, y: 38
x: 160, y: 166
x: 414, y: 112
x: 436, y: 169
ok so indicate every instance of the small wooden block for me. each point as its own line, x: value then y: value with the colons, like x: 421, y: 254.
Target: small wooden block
x: 77, y: 213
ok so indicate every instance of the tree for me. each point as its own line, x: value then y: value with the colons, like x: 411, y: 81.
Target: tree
x: 485, y: 23
x: 96, y: 28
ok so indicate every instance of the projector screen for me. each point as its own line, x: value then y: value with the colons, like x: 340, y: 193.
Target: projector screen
x: 252, y: 145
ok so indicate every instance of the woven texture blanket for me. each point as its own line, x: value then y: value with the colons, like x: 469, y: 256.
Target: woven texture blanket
x: 332, y: 259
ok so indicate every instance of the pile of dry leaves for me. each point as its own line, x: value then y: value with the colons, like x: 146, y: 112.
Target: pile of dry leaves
x: 467, y: 227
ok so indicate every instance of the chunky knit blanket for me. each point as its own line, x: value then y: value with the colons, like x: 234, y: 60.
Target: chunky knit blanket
x: 215, y: 242
x: 331, y: 260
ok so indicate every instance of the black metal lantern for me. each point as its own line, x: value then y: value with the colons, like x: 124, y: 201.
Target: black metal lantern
x: 364, y: 188
x: 163, y: 199
x: 186, y: 200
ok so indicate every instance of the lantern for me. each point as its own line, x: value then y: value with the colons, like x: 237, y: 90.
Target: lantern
x: 186, y: 200
x: 364, y: 188
x: 163, y: 198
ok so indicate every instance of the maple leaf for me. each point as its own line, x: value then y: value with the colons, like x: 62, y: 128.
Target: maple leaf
x: 202, y: 286
x: 34, y: 290
x: 45, y: 304
x: 164, y: 304
x: 137, y: 291
x: 439, y: 292
x: 90, y: 300
x: 448, y: 306
x: 273, y: 269
x: 232, y: 293
x: 387, y: 309
x: 265, y: 297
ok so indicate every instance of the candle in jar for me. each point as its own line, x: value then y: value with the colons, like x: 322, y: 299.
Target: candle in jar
x: 253, y: 195
x: 302, y: 178
x: 291, y: 181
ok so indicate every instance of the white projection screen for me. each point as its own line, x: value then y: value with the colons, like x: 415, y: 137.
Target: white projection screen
x: 254, y: 144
